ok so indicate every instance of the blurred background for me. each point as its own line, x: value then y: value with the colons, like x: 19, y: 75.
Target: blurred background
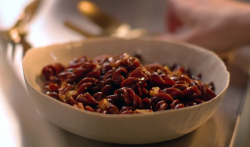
x: 51, y: 15
x: 20, y: 125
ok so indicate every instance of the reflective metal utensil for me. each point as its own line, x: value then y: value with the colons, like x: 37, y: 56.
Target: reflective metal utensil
x: 108, y: 24
x: 77, y: 29
x: 135, y: 33
x: 16, y: 35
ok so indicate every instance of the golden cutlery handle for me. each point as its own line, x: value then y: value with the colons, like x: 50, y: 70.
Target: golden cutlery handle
x: 99, y: 17
x: 77, y: 29
x: 27, y: 14
x: 26, y: 46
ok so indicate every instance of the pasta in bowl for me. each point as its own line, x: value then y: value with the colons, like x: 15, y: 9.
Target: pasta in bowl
x: 122, y: 85
x: 119, y: 125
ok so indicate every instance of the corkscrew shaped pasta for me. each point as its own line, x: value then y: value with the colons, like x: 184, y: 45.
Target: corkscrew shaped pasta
x: 122, y: 85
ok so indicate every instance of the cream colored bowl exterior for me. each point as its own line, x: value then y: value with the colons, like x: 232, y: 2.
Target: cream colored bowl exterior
x: 126, y: 129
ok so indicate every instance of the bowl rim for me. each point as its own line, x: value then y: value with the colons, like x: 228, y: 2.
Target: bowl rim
x: 79, y: 43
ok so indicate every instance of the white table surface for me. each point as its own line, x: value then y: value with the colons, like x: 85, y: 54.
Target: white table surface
x: 22, y: 126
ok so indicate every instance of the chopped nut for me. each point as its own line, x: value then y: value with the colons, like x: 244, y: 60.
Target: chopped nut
x: 98, y: 66
x: 71, y: 93
x: 169, y: 72
x: 62, y: 97
x: 104, y: 104
x: 144, y: 111
x: 63, y: 85
x: 154, y: 91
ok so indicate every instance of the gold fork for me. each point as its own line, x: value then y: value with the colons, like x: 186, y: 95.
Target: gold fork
x: 16, y: 35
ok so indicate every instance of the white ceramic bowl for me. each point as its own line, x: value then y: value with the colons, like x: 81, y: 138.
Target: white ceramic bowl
x: 133, y: 128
